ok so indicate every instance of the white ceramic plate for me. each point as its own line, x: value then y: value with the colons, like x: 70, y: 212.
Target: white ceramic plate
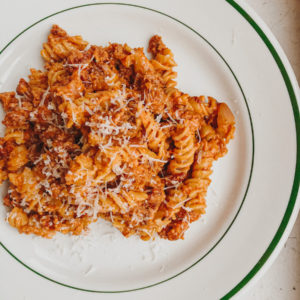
x: 251, y: 202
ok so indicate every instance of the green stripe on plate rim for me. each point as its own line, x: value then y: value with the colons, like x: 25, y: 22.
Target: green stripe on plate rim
x: 295, y: 187
x: 296, y: 179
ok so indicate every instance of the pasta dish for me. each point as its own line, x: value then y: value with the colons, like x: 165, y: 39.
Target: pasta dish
x: 103, y: 132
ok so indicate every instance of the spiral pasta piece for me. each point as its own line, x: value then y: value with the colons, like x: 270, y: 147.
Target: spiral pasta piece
x: 60, y: 45
x: 163, y: 61
x: 156, y: 138
x: 197, y: 185
x: 184, y: 150
x: 204, y: 106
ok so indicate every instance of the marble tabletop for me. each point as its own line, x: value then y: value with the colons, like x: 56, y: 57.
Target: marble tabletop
x: 282, y: 279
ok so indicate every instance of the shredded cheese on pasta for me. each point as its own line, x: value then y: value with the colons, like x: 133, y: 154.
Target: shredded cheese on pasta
x: 103, y: 132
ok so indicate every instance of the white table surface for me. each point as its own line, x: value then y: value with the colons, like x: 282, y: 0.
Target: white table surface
x: 282, y: 280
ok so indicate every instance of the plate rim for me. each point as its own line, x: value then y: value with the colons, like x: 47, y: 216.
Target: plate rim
x: 293, y: 99
x: 291, y: 207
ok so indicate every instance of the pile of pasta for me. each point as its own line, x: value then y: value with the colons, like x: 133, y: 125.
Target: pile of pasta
x: 103, y: 132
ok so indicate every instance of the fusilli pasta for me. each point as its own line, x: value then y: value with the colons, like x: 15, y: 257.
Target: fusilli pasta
x: 103, y: 132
